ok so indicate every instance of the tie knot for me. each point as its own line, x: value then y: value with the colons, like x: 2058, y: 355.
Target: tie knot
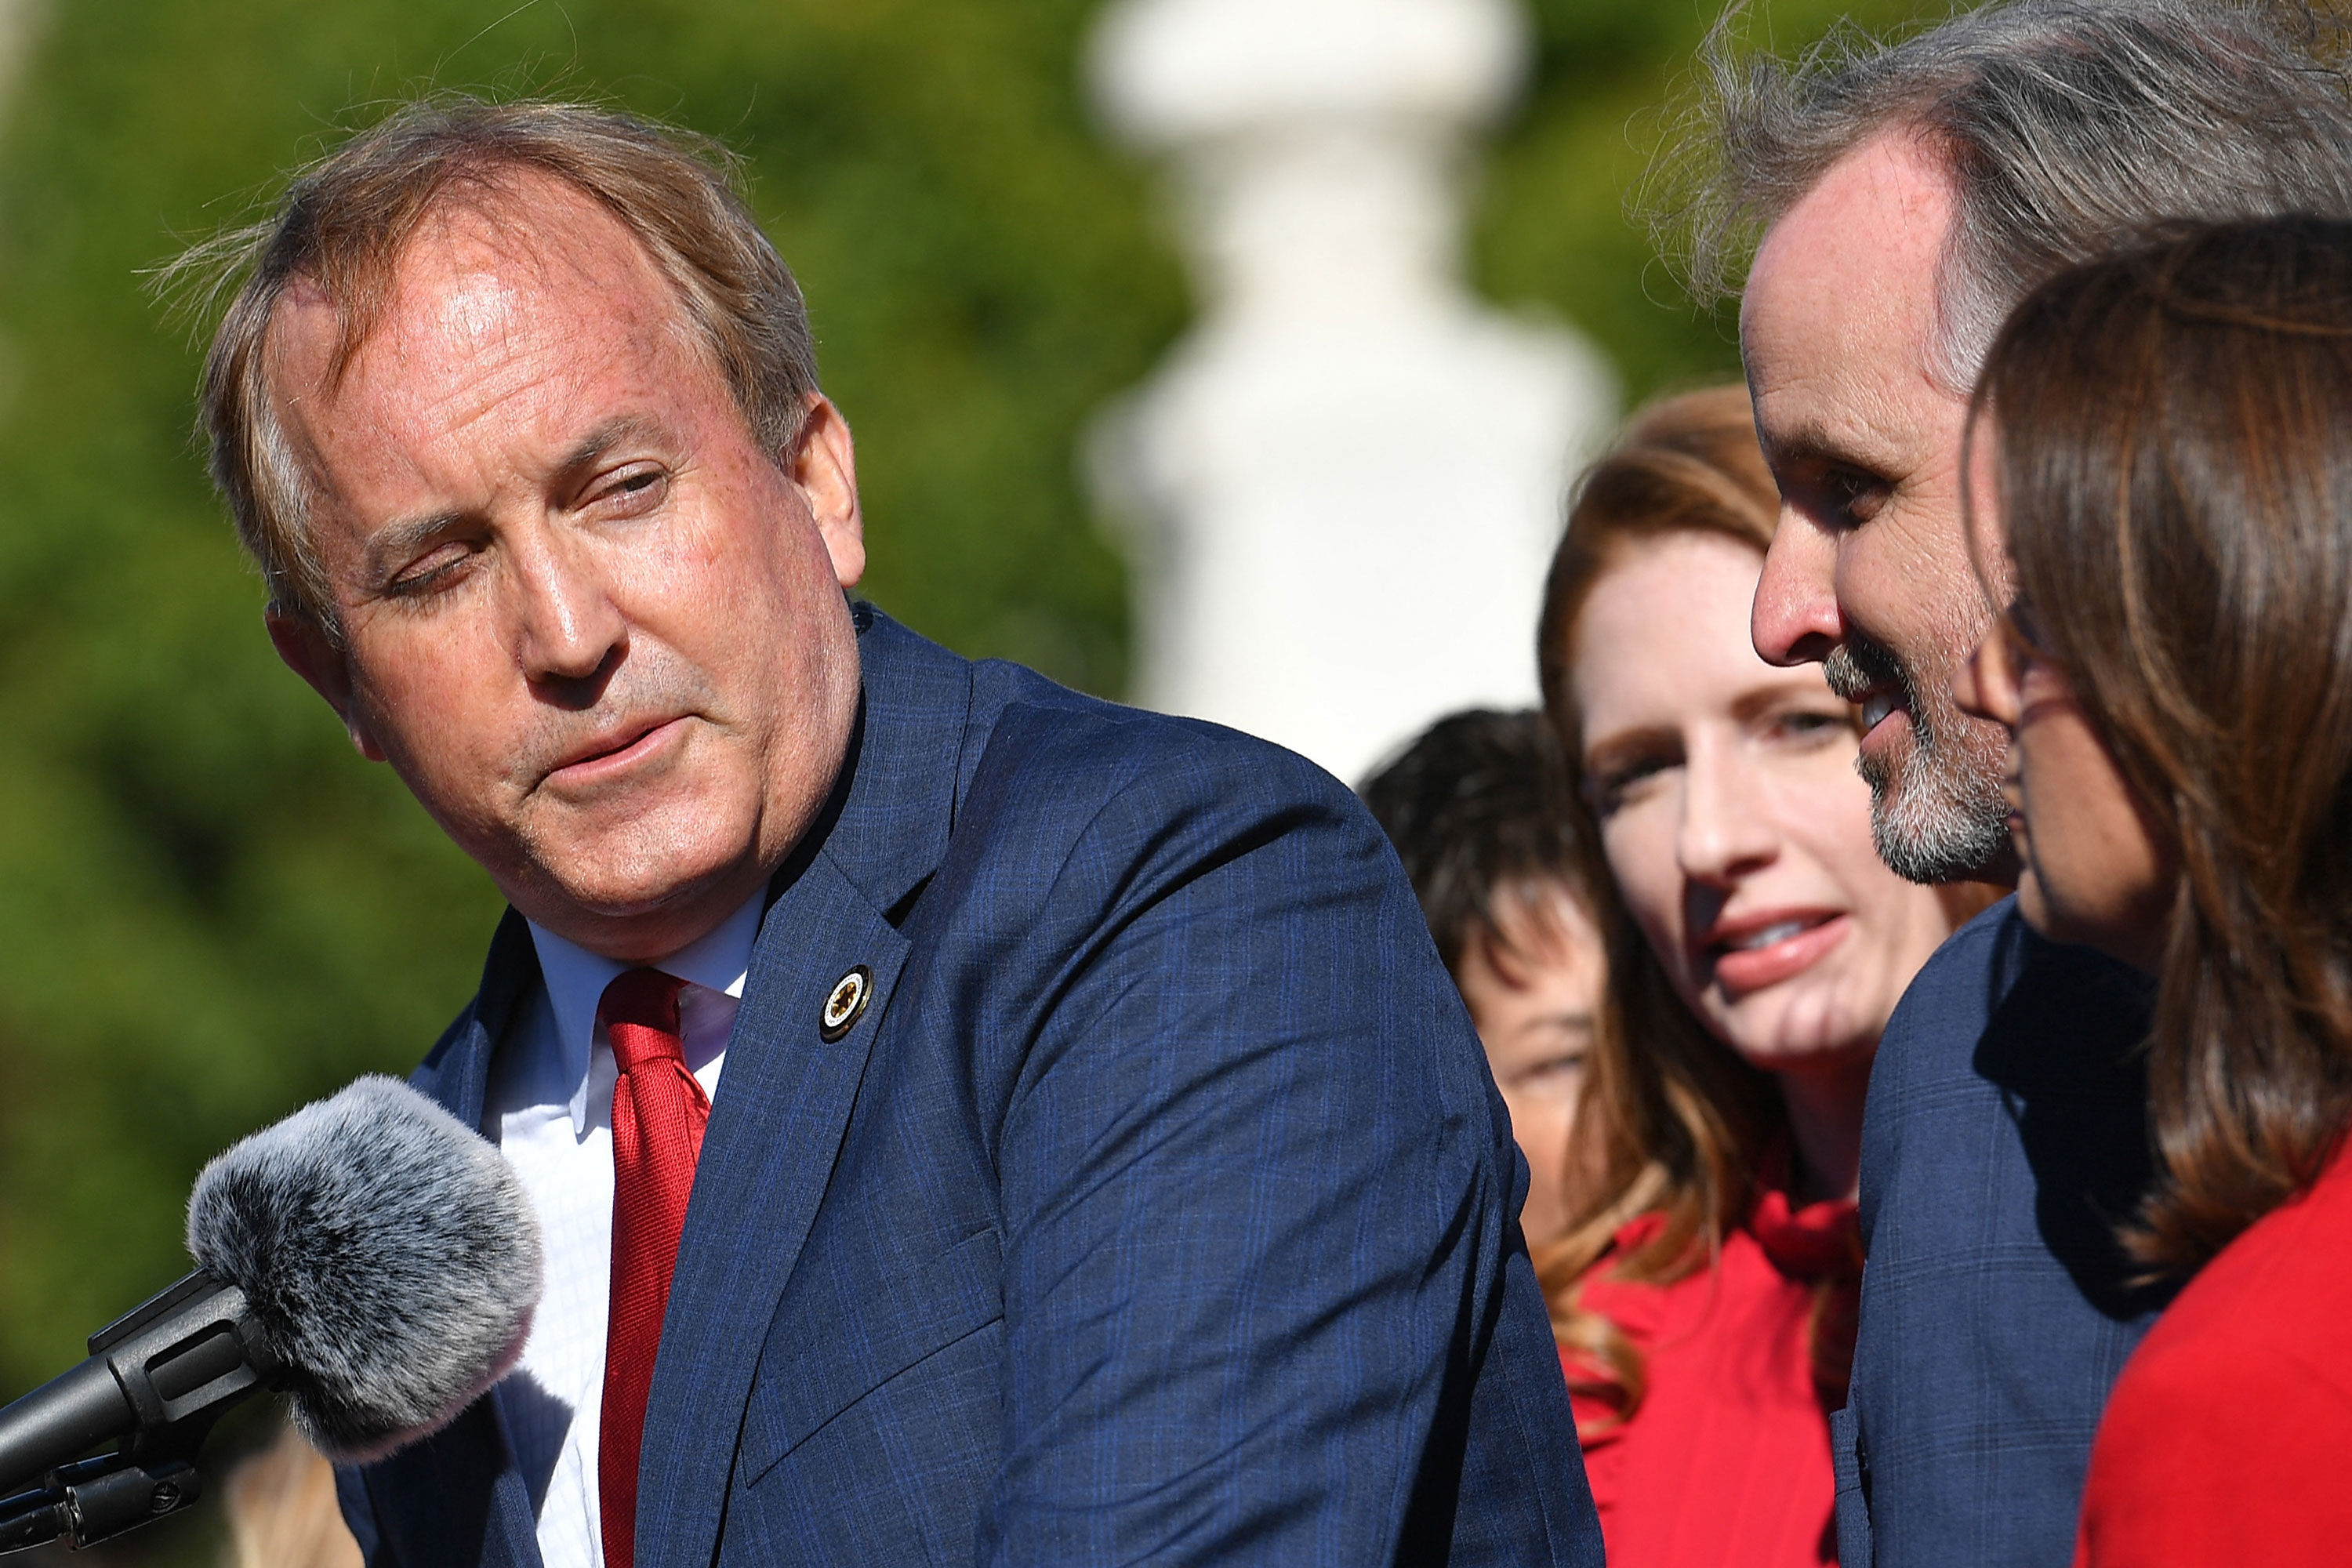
x: 640, y: 1014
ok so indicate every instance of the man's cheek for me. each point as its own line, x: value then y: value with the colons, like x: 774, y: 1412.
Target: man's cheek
x: 1869, y: 588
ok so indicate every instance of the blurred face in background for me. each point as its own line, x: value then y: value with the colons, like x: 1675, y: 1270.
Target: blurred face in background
x: 1732, y: 815
x: 1534, y: 988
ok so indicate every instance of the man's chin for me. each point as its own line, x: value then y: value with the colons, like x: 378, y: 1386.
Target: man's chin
x: 638, y: 906
x: 1926, y: 836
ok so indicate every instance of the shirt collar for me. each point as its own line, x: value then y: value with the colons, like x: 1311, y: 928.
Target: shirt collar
x: 576, y: 979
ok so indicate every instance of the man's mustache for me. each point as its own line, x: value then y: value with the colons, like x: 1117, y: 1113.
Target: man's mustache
x: 1857, y: 667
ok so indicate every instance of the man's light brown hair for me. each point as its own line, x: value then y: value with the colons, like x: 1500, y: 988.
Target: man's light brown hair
x: 346, y: 218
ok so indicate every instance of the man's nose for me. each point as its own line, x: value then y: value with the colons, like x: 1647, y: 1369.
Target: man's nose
x: 567, y: 628
x: 1795, y: 618
x: 1725, y: 833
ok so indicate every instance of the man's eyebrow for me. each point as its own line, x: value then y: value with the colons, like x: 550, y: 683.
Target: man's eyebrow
x: 1816, y: 442
x: 613, y: 432
x: 390, y: 547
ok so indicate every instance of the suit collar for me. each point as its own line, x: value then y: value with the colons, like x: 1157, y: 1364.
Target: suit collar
x: 776, y: 1130
x: 898, y: 805
x: 458, y: 1497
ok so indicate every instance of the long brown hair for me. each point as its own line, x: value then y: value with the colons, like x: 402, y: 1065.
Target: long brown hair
x: 2175, y: 469
x: 1671, y: 1120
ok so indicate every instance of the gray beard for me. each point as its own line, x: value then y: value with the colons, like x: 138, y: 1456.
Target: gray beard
x: 1939, y: 817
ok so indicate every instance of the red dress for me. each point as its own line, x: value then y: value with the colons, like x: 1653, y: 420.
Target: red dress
x: 2229, y: 1436
x: 1726, y: 1464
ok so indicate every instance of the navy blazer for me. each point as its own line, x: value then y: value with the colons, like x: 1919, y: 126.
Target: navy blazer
x: 2006, y: 1134
x: 1158, y: 1207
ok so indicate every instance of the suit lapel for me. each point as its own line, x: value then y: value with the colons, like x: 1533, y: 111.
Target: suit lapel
x: 459, y: 1497
x: 458, y: 1073
x: 785, y: 1098
x: 781, y: 1112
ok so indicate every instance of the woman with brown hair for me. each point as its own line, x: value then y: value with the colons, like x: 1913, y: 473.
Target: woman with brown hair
x: 2163, y: 470
x: 1703, y: 1291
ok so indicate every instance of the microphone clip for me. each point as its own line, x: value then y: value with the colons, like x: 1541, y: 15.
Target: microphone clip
x: 96, y: 1499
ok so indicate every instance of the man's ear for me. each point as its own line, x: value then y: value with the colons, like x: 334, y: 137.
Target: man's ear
x: 311, y: 654
x: 824, y: 464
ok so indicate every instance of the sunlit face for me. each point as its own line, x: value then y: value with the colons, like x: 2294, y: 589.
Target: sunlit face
x: 2095, y: 866
x: 1732, y: 815
x: 1869, y: 570
x: 596, y: 629
x: 1535, y: 995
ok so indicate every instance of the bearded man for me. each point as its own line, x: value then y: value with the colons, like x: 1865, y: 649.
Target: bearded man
x: 1908, y: 194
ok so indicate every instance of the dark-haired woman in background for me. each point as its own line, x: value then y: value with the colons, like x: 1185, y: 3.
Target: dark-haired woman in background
x: 1478, y: 808
x: 1704, y: 1293
x: 2164, y: 446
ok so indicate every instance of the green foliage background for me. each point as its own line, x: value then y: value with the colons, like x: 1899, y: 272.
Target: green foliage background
x: 210, y: 910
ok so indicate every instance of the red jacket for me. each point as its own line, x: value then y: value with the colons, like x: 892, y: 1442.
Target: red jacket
x: 2227, y: 1438
x: 1726, y: 1463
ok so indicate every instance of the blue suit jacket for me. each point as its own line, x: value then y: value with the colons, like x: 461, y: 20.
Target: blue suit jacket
x: 2006, y: 1134
x: 1158, y: 1207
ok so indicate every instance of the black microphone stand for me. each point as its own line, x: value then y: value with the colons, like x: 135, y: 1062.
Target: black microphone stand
x: 167, y: 1370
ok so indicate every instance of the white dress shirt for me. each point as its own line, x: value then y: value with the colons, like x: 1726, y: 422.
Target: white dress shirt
x: 550, y: 1094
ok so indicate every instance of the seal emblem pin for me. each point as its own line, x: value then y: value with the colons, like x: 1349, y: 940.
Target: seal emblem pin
x: 845, y: 1003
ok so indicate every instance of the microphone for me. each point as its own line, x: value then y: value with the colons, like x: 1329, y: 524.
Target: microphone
x: 369, y: 1256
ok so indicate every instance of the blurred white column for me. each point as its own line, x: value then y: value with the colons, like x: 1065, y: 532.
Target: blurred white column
x: 1342, y: 487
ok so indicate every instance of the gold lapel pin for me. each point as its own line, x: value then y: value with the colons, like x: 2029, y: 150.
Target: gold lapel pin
x: 845, y: 1003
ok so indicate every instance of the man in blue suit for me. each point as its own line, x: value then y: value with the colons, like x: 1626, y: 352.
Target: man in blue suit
x: 970, y: 1122
x: 1911, y: 194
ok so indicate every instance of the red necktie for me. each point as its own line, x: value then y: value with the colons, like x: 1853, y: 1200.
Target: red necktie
x: 658, y: 1112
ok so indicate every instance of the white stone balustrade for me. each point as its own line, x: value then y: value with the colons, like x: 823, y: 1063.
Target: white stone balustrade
x: 1340, y: 491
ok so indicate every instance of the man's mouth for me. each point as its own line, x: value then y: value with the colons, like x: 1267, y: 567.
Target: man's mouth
x: 614, y: 752
x: 1865, y: 674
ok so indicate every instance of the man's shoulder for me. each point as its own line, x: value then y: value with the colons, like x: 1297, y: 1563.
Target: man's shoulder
x: 1063, y: 751
x: 1040, y: 748
x: 1114, y: 806
x: 1962, y: 981
x: 1130, y: 803
x: 2016, y: 1059
x: 1995, y: 974
x: 1098, y: 748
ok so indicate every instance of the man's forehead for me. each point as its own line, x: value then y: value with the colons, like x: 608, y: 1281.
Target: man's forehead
x: 1838, y: 323
x: 475, y: 312
x: 478, y: 264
